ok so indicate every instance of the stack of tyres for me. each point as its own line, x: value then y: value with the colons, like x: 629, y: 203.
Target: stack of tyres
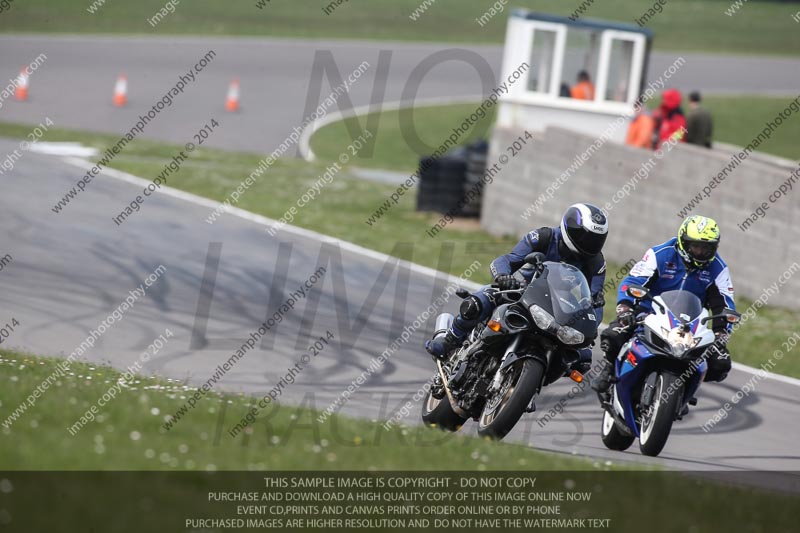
x: 442, y: 180
x: 428, y: 187
x: 476, y: 168
x: 445, y: 182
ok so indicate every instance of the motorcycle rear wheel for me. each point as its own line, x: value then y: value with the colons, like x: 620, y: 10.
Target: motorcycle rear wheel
x: 504, y: 409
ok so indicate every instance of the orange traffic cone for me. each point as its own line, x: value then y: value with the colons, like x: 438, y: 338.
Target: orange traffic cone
x: 21, y: 92
x: 232, y: 102
x: 121, y: 91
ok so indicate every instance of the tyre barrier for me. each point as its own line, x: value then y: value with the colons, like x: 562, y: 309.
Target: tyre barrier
x: 445, y: 181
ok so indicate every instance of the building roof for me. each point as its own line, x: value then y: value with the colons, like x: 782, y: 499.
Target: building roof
x: 593, y: 24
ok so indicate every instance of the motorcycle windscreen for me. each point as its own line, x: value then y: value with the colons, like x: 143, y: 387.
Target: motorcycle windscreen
x: 683, y: 304
x: 571, y: 298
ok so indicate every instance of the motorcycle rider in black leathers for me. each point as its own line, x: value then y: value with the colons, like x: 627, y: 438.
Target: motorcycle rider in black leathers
x: 578, y: 241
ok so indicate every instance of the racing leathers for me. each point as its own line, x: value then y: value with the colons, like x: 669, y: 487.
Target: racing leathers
x: 662, y: 269
x: 548, y: 241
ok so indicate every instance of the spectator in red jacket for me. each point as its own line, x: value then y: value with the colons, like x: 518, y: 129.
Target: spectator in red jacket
x: 669, y: 116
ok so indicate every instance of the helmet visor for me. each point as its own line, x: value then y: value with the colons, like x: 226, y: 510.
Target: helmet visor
x: 701, y: 251
x: 587, y: 242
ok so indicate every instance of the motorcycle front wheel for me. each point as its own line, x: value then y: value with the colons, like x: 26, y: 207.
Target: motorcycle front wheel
x: 613, y: 438
x: 656, y: 422
x: 521, y: 381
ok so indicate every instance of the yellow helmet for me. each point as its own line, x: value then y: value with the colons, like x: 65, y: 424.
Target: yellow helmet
x: 698, y: 239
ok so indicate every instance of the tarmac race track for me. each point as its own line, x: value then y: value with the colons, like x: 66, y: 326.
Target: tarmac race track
x: 69, y: 271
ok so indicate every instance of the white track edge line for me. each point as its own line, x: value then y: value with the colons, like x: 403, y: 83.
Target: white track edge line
x: 304, y: 144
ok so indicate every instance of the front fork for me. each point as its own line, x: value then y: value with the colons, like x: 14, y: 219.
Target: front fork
x: 509, y: 353
x: 648, y: 394
x: 511, y: 356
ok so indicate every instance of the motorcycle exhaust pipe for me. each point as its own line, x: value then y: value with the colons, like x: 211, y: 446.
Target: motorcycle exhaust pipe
x: 443, y: 323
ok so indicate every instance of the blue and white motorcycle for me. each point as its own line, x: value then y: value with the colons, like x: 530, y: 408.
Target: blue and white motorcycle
x: 659, y: 371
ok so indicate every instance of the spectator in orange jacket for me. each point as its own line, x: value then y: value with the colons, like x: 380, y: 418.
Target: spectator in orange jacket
x: 640, y: 131
x: 669, y: 117
x: 583, y: 90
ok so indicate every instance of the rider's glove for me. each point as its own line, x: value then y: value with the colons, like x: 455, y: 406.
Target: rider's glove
x: 719, y: 350
x: 625, y: 316
x: 719, y: 359
x: 598, y: 300
x: 506, y: 282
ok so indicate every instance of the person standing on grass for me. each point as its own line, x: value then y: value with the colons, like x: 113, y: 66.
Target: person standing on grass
x: 698, y: 122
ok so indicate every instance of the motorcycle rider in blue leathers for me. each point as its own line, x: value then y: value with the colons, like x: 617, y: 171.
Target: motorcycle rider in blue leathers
x: 577, y: 241
x: 689, y: 262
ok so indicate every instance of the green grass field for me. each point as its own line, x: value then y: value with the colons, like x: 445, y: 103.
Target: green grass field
x: 126, y: 435
x: 758, y: 28
x: 737, y: 120
x: 345, y: 204
x: 432, y: 126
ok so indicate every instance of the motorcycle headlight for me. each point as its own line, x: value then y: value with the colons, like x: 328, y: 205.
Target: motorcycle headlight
x: 543, y: 319
x: 681, y: 341
x: 569, y: 335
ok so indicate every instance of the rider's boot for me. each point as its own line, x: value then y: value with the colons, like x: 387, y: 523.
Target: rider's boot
x: 441, y: 345
x: 584, y: 362
x: 685, y: 410
x: 605, y: 377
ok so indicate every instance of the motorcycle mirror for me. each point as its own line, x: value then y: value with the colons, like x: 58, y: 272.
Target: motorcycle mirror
x: 638, y: 292
x: 732, y: 316
x: 534, y: 258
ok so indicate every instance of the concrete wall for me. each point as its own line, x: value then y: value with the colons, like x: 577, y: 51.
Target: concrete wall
x: 649, y: 214
x: 588, y: 117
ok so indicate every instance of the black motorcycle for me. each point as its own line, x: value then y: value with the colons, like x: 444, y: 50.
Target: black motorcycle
x: 531, y: 340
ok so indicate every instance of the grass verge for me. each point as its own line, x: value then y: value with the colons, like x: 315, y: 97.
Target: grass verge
x: 344, y: 205
x: 757, y: 28
x: 127, y: 434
